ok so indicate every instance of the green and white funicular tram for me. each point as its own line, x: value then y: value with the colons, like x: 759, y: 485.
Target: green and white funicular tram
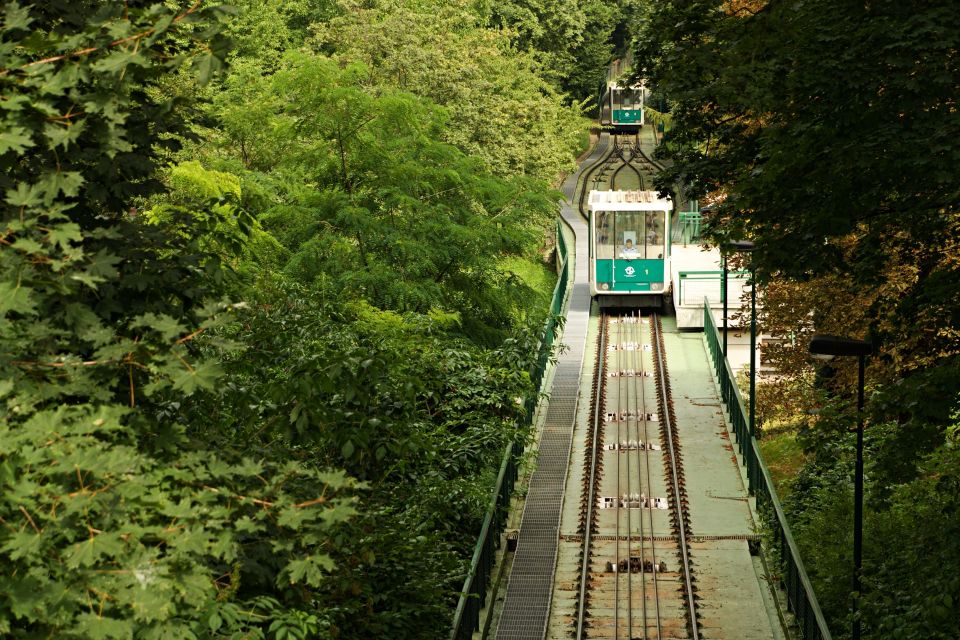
x: 630, y: 248
x: 626, y: 106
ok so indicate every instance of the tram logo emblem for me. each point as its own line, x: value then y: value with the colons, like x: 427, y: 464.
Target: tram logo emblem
x: 630, y: 272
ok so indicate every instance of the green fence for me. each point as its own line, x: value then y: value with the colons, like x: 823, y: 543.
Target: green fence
x: 466, y: 617
x: 688, y: 228
x: 697, y: 284
x: 801, y: 600
x: 550, y: 328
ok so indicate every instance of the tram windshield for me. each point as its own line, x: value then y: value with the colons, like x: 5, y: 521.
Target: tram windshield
x: 629, y: 235
x: 628, y: 99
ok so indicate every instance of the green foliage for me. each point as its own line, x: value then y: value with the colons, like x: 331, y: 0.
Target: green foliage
x: 191, y: 182
x: 168, y: 458
x: 574, y: 40
x: 910, y: 546
x: 116, y: 522
x: 784, y: 458
x: 207, y: 206
x: 501, y: 110
x: 383, y: 211
x: 71, y: 253
x: 911, y: 605
x: 264, y: 31
x: 809, y: 122
x: 401, y: 401
x: 105, y: 539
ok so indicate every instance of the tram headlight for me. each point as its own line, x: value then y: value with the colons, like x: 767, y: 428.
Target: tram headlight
x: 656, y: 286
x: 604, y: 286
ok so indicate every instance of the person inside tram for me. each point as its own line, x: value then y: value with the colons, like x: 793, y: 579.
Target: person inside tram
x: 653, y: 229
x: 630, y: 249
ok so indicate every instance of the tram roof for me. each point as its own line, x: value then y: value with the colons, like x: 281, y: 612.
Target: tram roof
x: 628, y: 201
x: 620, y: 84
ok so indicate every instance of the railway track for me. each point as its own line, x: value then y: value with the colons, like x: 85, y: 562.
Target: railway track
x: 624, y: 165
x: 636, y: 578
x: 604, y: 543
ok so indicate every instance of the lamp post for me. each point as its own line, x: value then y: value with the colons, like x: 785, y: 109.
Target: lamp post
x: 825, y: 345
x: 745, y: 246
x: 723, y: 294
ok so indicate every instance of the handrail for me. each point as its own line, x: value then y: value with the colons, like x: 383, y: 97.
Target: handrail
x: 706, y: 276
x: 801, y: 599
x: 475, y: 585
x: 466, y: 617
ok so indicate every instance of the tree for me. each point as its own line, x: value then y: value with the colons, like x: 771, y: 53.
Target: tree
x: 117, y: 522
x: 501, y: 110
x: 822, y: 130
x: 383, y: 211
x: 815, y: 147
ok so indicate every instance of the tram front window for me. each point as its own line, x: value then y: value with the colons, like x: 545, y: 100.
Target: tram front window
x: 629, y: 99
x: 654, y: 233
x: 630, y: 235
x: 606, y: 234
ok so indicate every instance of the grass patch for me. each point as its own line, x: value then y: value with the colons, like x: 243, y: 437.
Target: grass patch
x: 534, y: 273
x: 784, y: 458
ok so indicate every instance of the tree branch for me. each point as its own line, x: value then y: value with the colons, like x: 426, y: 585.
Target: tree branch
x: 89, y: 50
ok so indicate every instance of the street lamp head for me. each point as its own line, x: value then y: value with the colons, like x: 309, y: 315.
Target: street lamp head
x: 824, y: 345
x: 739, y: 246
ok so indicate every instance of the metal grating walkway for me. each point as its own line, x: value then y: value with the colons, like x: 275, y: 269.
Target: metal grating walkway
x: 526, y: 605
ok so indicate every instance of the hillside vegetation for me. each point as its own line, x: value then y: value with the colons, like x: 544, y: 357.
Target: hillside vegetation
x: 265, y: 320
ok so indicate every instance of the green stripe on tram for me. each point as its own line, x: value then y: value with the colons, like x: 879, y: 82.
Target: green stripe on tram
x: 627, y: 116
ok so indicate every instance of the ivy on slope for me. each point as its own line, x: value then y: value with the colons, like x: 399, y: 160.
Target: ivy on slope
x: 115, y: 522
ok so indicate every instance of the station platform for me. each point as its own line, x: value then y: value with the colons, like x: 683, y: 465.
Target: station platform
x: 697, y: 275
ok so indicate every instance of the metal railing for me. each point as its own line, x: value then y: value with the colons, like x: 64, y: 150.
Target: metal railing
x: 801, y: 600
x: 466, y: 617
x: 688, y: 229
x: 550, y: 327
x: 696, y: 285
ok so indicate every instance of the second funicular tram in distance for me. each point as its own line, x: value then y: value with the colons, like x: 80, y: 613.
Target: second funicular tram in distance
x: 622, y: 103
x: 630, y: 248
x: 623, y: 111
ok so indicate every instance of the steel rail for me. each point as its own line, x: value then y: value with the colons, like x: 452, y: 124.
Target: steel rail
x: 621, y: 410
x: 653, y: 542
x: 626, y: 357
x: 623, y: 498
x: 637, y: 366
x: 591, y: 498
x: 648, y: 159
x: 666, y: 421
x: 626, y: 162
